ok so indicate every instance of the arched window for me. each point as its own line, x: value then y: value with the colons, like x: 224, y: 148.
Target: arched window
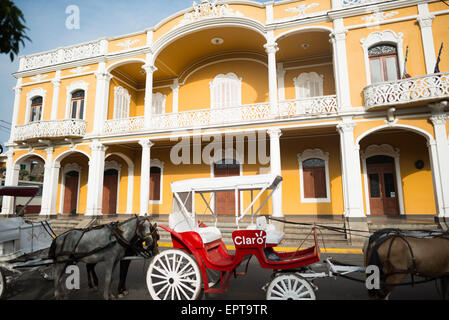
x: 158, y: 103
x: 36, y: 109
x: 384, y: 64
x: 226, y: 91
x: 308, y: 85
x: 77, y: 104
x: 122, y: 100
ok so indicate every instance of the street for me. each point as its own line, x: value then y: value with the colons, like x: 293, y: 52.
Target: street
x: 34, y: 287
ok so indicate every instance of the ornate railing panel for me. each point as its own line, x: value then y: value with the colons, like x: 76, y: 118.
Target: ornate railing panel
x: 63, y: 55
x: 50, y: 130
x: 227, y: 116
x: 426, y: 87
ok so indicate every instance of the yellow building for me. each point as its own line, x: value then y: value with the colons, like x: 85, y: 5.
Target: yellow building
x: 338, y: 96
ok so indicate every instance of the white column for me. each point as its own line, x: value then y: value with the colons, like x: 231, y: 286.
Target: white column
x: 351, y: 172
x: 175, y: 89
x: 271, y: 48
x: 275, y: 164
x: 11, y: 179
x: 53, y: 187
x: 102, y: 98
x: 440, y: 156
x: 96, y: 177
x: 425, y: 19
x: 338, y: 39
x: 145, y: 176
x: 17, y: 93
x: 149, y: 69
x: 55, y: 101
x: 47, y: 190
x: 281, y: 81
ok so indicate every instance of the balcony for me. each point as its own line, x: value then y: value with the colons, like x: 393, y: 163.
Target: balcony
x: 52, y: 130
x: 245, y: 114
x: 406, y: 91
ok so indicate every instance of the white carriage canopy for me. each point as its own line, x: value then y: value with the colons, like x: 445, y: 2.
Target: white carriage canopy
x: 184, y: 193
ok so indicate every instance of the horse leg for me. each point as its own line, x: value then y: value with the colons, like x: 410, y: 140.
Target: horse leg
x: 92, y: 278
x: 58, y: 271
x: 444, y: 287
x: 110, y: 266
x: 391, y: 283
x: 124, y: 266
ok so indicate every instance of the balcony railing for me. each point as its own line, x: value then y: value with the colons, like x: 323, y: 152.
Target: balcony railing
x: 57, y: 129
x: 250, y: 113
x: 421, y: 88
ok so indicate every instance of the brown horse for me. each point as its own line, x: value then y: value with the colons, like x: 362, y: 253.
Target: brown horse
x: 400, y: 254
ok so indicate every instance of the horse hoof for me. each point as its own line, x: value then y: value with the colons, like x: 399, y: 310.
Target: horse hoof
x: 123, y: 294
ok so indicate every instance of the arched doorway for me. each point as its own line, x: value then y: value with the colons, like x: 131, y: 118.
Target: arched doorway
x: 225, y: 201
x: 110, y: 189
x: 71, y: 192
x: 383, y: 190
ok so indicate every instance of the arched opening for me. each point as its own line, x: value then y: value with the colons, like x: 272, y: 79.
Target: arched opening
x: 30, y: 173
x: 394, y: 185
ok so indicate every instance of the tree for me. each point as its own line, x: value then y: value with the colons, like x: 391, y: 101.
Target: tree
x: 12, y: 29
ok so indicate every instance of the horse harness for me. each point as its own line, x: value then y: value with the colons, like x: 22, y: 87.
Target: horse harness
x: 379, y: 238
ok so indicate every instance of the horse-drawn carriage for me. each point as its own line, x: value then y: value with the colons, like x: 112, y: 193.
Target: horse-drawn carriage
x: 199, y: 250
x: 182, y: 272
x: 20, y: 240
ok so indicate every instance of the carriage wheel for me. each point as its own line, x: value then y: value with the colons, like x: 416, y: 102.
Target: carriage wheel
x: 2, y: 284
x: 174, y: 275
x: 290, y: 287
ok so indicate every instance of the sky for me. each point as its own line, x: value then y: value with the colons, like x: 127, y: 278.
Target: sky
x: 46, y: 22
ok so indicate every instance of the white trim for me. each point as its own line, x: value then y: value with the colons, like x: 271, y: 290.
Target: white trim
x: 74, y: 86
x: 314, y: 154
x: 306, y: 78
x: 38, y: 92
x: 159, y: 164
x: 158, y: 98
x: 387, y: 36
x: 230, y: 80
x: 66, y: 169
x: 382, y: 150
x: 122, y: 102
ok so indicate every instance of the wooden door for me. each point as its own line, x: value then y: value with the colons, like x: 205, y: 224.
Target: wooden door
x: 383, y: 189
x: 225, y: 200
x: 110, y: 187
x: 155, y: 184
x: 71, y: 192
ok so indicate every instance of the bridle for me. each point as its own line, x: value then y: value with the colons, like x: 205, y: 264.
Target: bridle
x: 139, y: 240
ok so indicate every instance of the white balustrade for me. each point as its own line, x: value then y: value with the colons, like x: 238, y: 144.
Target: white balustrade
x: 50, y: 129
x: 420, y: 88
x: 63, y: 55
x: 249, y: 113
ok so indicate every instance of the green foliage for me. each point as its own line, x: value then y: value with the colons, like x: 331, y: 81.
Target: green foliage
x: 12, y: 29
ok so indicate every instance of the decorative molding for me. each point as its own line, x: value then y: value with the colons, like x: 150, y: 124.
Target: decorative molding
x: 301, y: 9
x: 79, y: 70
x: 381, y: 16
x: 376, y: 150
x: 387, y: 36
x: 209, y: 9
x: 39, y: 77
x: 72, y: 167
x: 112, y: 165
x: 127, y: 44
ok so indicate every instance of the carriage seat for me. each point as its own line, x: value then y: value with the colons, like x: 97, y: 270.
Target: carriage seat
x: 274, y: 237
x: 179, y: 224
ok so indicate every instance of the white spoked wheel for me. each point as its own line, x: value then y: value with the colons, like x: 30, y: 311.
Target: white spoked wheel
x: 290, y: 287
x: 174, y: 275
x: 2, y: 284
